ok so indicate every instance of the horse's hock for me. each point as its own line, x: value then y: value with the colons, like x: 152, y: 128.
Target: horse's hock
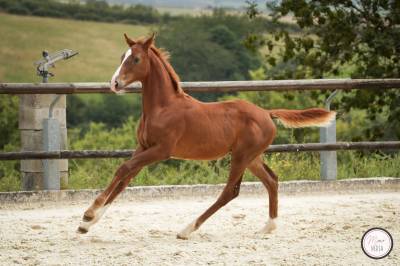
x: 33, y: 109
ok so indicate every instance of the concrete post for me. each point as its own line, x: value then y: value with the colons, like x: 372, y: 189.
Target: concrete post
x: 33, y: 110
x: 328, y: 135
x: 328, y: 158
x: 51, y: 142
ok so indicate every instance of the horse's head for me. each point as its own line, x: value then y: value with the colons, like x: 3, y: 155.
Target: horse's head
x: 135, y: 64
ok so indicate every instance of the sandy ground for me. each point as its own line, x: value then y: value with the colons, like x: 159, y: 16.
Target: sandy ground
x: 312, y: 230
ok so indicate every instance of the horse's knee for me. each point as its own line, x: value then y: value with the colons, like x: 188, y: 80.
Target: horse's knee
x: 236, y: 191
x: 236, y: 187
x: 228, y: 195
x: 123, y: 170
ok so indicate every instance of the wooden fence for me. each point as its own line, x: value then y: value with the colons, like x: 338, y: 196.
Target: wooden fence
x: 214, y: 86
x: 91, y: 154
x: 34, y: 111
x: 217, y: 86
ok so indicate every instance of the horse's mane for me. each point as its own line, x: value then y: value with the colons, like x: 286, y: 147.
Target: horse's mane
x: 164, y: 56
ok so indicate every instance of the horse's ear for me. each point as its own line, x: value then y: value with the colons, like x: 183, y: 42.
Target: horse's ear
x: 149, y: 41
x: 128, y: 40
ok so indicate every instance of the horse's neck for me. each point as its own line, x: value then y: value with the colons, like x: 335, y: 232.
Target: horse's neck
x: 158, y: 90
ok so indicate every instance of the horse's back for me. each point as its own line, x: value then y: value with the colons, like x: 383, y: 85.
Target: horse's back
x: 213, y: 129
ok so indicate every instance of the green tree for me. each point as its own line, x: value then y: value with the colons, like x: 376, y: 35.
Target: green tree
x: 356, y: 38
x: 214, y: 52
x: 111, y: 110
x: 8, y: 121
x: 9, y: 141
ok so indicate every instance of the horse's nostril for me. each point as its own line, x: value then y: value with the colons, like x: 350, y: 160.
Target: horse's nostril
x: 116, y: 84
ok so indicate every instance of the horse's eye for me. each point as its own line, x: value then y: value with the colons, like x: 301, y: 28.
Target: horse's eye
x: 136, y: 60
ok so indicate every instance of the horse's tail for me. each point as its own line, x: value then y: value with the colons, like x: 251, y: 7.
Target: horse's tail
x: 303, y: 118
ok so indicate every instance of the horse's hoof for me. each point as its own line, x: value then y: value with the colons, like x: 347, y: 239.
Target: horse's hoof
x: 81, y: 230
x: 181, y: 236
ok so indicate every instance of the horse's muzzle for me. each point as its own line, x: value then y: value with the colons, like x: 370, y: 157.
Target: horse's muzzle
x: 117, y: 86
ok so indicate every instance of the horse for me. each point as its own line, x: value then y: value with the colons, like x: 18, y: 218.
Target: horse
x: 175, y: 125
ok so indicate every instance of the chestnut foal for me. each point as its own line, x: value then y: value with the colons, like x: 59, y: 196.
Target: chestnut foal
x: 174, y: 124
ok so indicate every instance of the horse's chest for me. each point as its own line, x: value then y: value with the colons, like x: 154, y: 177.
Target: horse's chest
x: 145, y: 134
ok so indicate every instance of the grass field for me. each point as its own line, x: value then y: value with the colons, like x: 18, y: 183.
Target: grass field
x: 100, y: 46
x: 23, y: 38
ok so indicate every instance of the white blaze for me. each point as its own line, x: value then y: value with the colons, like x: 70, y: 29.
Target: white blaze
x: 116, y: 74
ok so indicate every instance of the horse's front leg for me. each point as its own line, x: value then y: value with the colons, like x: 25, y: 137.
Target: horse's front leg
x: 123, y: 175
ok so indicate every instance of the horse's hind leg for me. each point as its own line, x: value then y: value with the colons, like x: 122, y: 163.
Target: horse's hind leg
x: 270, y: 181
x: 231, y: 191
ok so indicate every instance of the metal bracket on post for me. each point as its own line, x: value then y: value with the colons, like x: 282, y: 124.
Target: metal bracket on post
x: 328, y: 135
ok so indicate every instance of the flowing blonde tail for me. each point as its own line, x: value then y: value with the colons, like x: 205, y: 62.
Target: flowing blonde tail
x: 313, y: 117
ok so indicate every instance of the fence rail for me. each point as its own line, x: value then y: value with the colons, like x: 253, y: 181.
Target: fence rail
x: 34, y: 109
x: 86, y: 154
x: 214, y: 86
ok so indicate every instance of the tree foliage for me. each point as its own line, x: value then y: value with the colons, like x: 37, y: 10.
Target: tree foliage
x: 210, y: 47
x: 110, y: 110
x: 359, y: 39
x: 8, y: 120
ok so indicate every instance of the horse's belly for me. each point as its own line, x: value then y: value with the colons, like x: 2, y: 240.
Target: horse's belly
x: 200, y: 151
x: 198, y: 156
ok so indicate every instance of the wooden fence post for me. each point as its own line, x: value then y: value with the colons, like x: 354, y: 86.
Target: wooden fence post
x: 33, y: 109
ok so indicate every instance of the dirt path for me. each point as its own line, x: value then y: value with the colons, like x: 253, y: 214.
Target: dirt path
x: 312, y: 230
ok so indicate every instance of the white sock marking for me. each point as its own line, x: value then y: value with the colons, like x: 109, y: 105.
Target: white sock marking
x: 98, y: 215
x: 184, y: 234
x: 269, y: 227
